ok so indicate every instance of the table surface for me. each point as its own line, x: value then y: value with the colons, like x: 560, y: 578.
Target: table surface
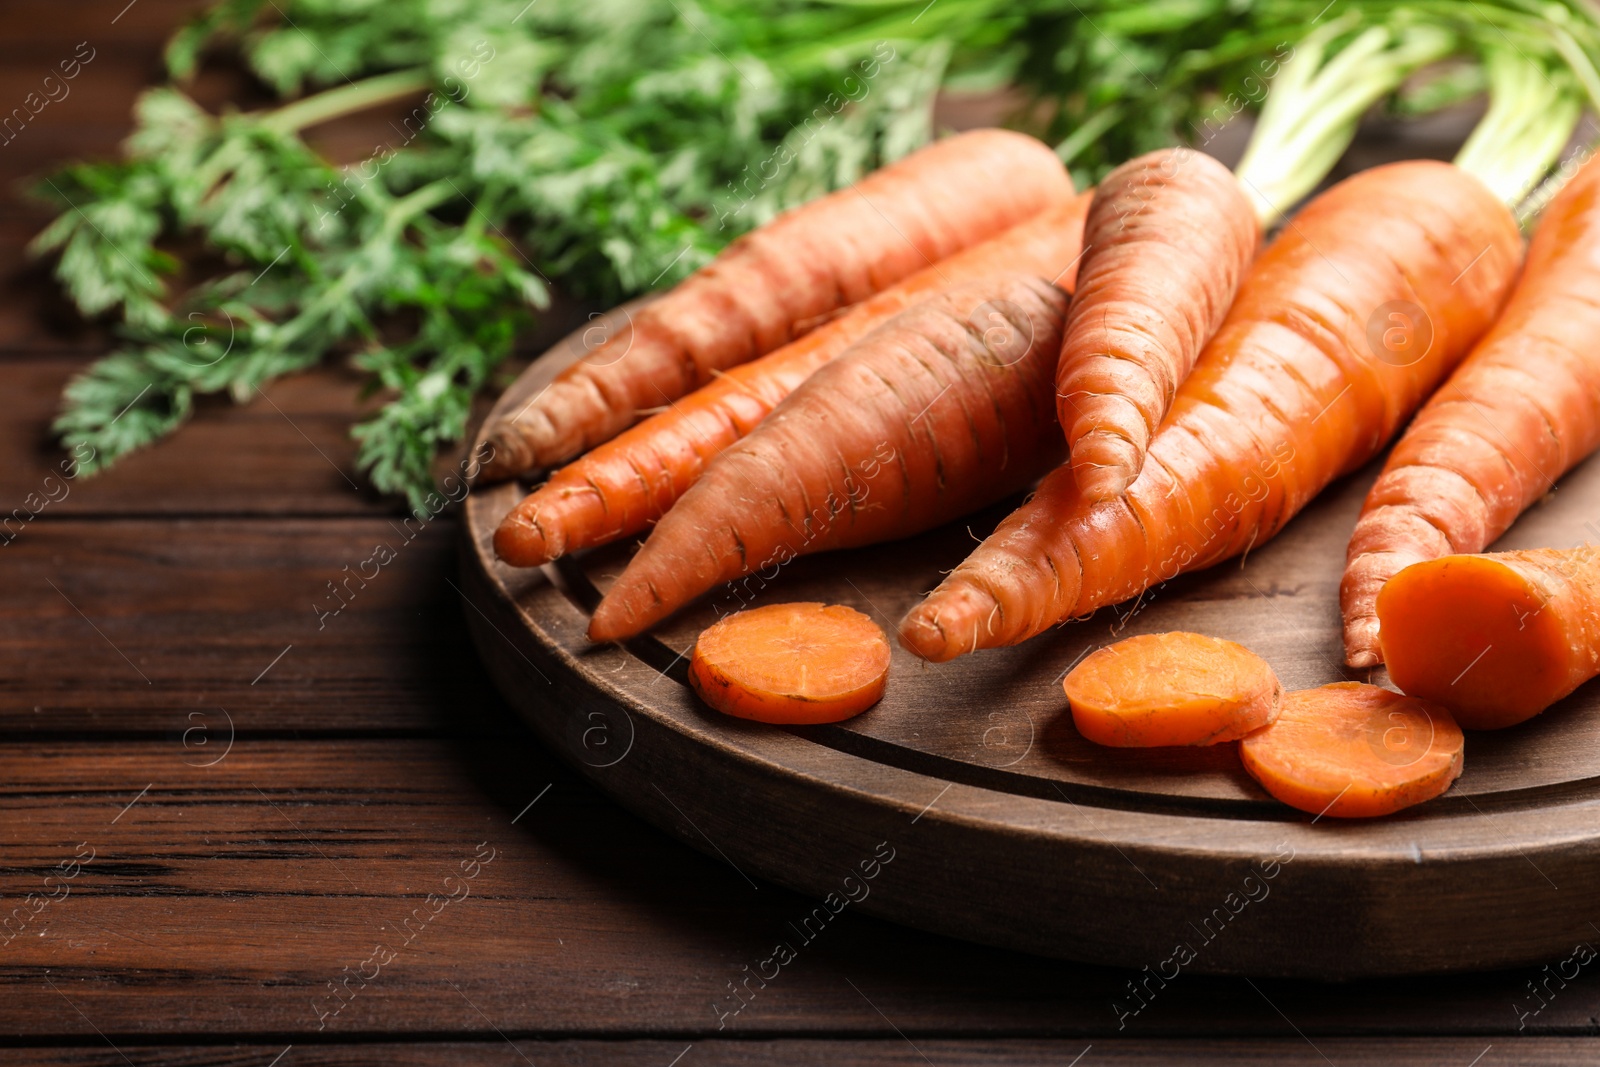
x: 265, y: 801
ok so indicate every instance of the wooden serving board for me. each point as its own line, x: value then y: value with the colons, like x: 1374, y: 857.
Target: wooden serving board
x: 1006, y: 827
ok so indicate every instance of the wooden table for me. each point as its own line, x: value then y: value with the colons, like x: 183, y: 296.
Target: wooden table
x: 265, y: 801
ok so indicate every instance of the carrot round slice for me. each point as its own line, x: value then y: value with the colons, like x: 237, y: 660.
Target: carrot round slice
x: 1352, y: 751
x: 1171, y: 689
x: 792, y: 663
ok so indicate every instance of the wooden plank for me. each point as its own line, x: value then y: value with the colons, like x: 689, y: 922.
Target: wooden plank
x: 913, y: 1050
x: 131, y: 625
x: 242, y: 889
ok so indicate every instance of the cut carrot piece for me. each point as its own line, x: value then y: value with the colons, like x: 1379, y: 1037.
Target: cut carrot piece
x: 1496, y: 638
x: 792, y: 663
x: 1353, y: 751
x: 1172, y: 689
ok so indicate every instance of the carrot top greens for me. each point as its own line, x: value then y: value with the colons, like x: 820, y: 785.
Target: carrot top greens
x: 604, y: 146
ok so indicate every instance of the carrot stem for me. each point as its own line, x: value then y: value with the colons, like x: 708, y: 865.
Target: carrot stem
x: 347, y: 100
x: 1314, y: 105
x: 1532, y: 113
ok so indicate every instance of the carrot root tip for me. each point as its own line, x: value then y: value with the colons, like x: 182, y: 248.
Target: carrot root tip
x: 512, y: 452
x: 1104, y: 465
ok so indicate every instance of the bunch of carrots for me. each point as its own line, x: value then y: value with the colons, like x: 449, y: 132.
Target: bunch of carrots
x: 963, y: 325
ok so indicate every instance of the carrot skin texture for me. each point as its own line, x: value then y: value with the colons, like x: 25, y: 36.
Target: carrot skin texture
x: 761, y: 291
x: 935, y: 414
x: 1351, y: 751
x: 1522, y: 410
x: 1498, y: 637
x: 1168, y: 239
x: 1286, y: 397
x: 791, y: 663
x: 1176, y: 688
x: 629, y: 482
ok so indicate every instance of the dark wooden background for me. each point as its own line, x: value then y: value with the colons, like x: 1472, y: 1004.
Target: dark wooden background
x: 266, y: 801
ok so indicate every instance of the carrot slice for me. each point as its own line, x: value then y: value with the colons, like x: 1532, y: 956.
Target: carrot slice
x: 792, y: 663
x: 1171, y: 689
x: 1353, y: 751
x: 1496, y: 638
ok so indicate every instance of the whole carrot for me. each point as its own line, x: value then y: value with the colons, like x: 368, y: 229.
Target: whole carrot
x: 766, y: 287
x: 1167, y: 241
x: 941, y: 410
x: 1286, y: 397
x: 1496, y: 638
x: 624, y: 485
x: 1170, y: 236
x: 1521, y: 411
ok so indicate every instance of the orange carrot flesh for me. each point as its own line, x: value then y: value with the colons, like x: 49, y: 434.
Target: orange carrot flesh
x: 791, y: 663
x: 1171, y: 689
x: 1522, y: 410
x: 1495, y: 638
x: 1353, y: 751
x: 1287, y: 397
x: 938, y: 412
x: 767, y: 286
x: 1168, y: 239
x: 624, y: 485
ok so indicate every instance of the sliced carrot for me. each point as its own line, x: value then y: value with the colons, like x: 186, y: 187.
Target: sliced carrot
x: 767, y: 287
x: 1353, y: 751
x: 1171, y: 689
x: 1496, y: 638
x: 792, y: 663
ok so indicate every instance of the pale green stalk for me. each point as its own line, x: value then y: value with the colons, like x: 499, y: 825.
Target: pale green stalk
x: 1316, y: 102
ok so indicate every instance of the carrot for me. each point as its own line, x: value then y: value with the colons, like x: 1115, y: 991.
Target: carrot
x: 791, y: 663
x: 1521, y: 411
x: 766, y: 287
x: 624, y: 485
x: 941, y: 410
x: 1171, y: 689
x: 1496, y: 638
x: 1172, y: 233
x: 1167, y: 241
x: 1353, y: 751
x: 1286, y: 397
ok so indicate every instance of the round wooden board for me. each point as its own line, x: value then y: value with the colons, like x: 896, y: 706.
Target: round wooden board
x: 965, y: 803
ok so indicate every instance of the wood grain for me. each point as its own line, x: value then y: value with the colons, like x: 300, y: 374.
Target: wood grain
x: 223, y: 899
x: 130, y: 625
x: 889, y: 1051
